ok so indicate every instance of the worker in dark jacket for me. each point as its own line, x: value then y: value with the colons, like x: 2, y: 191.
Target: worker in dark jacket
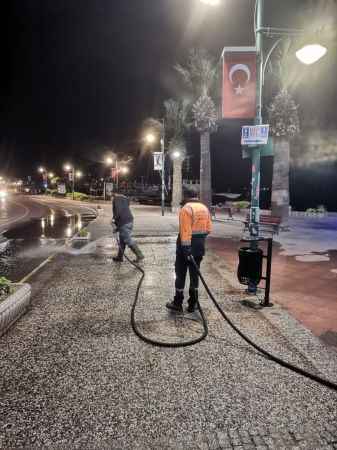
x: 194, y: 226
x: 123, y: 221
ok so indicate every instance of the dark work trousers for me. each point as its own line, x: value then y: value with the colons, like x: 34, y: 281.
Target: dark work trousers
x: 125, y: 236
x: 181, y: 265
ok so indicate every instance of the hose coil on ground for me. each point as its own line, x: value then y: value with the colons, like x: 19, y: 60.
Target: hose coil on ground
x: 324, y: 382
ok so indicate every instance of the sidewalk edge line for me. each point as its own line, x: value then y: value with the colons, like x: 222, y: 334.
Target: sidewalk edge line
x: 34, y: 271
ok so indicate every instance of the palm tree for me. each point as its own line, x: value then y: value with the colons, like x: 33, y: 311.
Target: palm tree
x: 284, y: 126
x: 176, y: 121
x: 200, y: 74
x: 284, y: 122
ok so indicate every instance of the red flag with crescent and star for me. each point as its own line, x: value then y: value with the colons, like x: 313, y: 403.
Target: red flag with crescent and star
x: 239, y: 83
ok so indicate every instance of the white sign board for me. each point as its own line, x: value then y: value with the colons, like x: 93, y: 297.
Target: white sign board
x: 109, y: 187
x: 157, y: 161
x: 61, y: 188
x: 254, y: 135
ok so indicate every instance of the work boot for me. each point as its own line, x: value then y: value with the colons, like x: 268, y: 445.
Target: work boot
x: 177, y: 304
x: 118, y: 257
x: 120, y: 254
x: 137, y: 252
x: 192, y: 301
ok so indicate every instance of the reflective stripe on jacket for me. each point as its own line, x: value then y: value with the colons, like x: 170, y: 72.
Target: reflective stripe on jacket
x: 194, y: 220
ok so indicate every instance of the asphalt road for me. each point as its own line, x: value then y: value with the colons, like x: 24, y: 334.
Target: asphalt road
x: 32, y: 229
x: 16, y: 210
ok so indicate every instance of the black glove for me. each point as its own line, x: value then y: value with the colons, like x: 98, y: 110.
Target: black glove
x: 187, y: 252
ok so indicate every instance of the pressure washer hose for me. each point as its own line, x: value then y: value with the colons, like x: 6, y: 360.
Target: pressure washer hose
x: 153, y: 341
x: 281, y: 362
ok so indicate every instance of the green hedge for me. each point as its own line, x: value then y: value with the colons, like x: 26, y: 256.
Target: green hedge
x: 241, y: 205
x: 78, y: 196
x: 51, y: 191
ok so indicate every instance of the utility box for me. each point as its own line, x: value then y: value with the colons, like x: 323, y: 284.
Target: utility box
x: 250, y: 265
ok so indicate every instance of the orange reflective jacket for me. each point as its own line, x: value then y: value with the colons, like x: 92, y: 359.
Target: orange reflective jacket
x: 194, y: 220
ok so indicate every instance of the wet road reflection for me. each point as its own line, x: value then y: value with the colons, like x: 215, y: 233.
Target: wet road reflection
x: 27, y: 245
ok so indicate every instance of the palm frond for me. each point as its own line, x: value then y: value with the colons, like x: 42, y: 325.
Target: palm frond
x: 199, y: 73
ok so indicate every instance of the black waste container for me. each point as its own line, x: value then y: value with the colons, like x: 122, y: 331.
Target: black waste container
x: 250, y: 265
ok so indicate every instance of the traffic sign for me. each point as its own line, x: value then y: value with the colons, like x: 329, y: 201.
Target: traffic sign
x: 254, y: 135
x: 157, y: 161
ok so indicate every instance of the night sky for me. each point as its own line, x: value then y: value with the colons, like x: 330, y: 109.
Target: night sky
x: 78, y: 76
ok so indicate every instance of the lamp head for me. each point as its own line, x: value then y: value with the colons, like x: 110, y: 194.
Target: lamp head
x: 150, y: 138
x: 309, y: 54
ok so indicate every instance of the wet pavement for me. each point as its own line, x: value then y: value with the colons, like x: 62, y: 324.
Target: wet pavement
x: 44, y: 230
x: 73, y: 374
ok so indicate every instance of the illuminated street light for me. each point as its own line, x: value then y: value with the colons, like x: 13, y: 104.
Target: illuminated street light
x: 309, y: 54
x: 124, y: 170
x: 150, y: 138
x: 211, y: 2
x: 50, y: 175
x: 109, y: 161
x: 72, y: 174
x: 41, y: 169
x: 176, y: 154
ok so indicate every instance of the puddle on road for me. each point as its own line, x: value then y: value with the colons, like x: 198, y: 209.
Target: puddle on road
x: 26, y: 246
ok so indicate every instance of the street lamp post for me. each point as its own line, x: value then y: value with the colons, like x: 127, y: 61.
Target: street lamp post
x: 150, y: 139
x: 43, y: 172
x: 118, y: 168
x: 307, y: 55
x: 71, y: 170
x: 162, y: 144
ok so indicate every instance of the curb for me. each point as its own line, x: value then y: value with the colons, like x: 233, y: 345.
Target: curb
x: 16, y: 304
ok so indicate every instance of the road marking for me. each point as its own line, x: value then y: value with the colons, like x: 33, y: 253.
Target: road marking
x: 8, y: 222
x: 64, y: 202
x: 33, y: 272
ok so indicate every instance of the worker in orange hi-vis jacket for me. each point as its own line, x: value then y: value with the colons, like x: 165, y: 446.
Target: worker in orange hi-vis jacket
x: 194, y: 226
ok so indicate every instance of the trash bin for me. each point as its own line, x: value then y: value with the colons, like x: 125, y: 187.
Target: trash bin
x: 250, y: 265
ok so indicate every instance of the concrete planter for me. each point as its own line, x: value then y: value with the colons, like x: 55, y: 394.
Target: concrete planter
x: 14, y: 305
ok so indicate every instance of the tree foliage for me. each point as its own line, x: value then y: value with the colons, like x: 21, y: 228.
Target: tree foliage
x: 283, y: 115
x: 200, y: 76
x: 200, y: 72
x: 176, y: 117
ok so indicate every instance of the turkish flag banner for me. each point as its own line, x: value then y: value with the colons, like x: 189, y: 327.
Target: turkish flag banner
x: 239, y: 83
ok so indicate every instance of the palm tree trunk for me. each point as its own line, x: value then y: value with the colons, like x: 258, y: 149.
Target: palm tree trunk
x: 280, y: 186
x: 205, y: 169
x: 177, y: 187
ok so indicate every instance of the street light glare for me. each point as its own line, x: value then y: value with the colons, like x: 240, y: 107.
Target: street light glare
x: 150, y: 138
x: 51, y: 175
x: 309, y: 54
x: 124, y: 170
x: 211, y: 2
x: 108, y: 160
x: 78, y: 174
x: 176, y: 154
x: 41, y: 169
x: 67, y: 167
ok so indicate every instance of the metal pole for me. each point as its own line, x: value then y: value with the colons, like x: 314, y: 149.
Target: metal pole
x: 117, y: 176
x: 268, y: 272
x: 162, y: 143
x: 73, y: 183
x: 256, y: 153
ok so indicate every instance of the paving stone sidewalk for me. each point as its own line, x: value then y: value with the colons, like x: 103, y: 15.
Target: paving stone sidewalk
x: 74, y: 375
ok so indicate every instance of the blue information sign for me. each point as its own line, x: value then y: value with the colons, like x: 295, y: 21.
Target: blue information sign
x: 254, y: 135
